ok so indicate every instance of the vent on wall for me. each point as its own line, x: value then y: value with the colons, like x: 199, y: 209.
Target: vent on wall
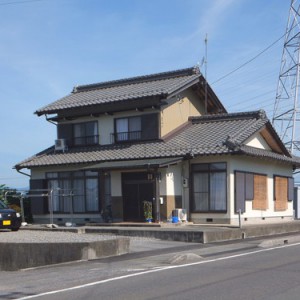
x: 61, y: 145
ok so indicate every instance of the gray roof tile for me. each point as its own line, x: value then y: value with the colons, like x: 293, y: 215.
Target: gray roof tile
x: 161, y: 84
x: 207, y: 135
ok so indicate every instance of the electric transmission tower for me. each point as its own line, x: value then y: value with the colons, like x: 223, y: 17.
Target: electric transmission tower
x: 286, y: 109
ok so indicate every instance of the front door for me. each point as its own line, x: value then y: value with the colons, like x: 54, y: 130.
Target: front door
x: 136, y: 188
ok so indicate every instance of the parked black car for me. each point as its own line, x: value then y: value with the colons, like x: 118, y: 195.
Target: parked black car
x: 9, y: 218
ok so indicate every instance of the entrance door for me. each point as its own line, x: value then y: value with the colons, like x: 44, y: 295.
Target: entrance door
x: 135, y: 191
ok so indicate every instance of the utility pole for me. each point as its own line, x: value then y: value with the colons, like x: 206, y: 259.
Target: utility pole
x: 286, y: 108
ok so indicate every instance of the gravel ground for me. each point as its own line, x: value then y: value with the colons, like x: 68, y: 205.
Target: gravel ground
x: 37, y: 236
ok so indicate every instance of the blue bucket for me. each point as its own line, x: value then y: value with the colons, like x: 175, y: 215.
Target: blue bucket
x: 175, y: 220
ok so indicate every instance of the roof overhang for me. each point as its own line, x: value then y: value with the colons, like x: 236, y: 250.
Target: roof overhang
x: 134, y: 164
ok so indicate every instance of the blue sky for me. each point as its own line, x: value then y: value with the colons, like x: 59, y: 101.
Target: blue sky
x: 49, y: 46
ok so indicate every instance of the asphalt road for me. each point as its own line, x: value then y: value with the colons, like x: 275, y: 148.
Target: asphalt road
x: 224, y: 271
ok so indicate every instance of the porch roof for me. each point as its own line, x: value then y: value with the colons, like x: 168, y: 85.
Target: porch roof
x: 132, y: 164
x: 207, y: 135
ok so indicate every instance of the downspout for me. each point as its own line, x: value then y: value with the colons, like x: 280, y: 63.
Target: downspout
x: 22, y: 173
x: 50, y: 120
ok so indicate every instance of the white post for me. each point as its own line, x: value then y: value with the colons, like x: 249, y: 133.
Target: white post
x: 51, y: 207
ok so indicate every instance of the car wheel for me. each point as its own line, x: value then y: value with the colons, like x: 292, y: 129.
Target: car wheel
x: 15, y: 229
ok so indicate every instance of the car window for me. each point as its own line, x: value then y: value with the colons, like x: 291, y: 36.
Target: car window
x: 2, y: 205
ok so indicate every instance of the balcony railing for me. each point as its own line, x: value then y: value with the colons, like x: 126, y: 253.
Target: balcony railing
x: 126, y: 136
x: 86, y: 140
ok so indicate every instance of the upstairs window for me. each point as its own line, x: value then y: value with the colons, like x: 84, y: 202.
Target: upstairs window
x: 85, y: 134
x: 143, y: 127
x: 128, y: 129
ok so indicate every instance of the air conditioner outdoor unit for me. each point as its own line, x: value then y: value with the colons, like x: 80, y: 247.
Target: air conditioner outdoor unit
x: 180, y: 213
x: 61, y: 144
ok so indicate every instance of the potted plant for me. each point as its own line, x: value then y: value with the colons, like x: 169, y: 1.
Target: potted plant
x: 147, y: 206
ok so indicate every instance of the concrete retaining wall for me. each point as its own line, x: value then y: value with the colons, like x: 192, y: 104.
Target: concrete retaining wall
x: 15, y: 256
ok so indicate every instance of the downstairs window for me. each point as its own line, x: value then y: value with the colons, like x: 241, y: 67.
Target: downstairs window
x: 209, y: 187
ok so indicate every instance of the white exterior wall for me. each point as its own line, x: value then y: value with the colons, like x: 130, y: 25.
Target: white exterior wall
x: 257, y: 141
x: 247, y: 164
x: 266, y: 168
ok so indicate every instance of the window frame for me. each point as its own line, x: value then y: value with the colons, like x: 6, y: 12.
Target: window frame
x: 149, y: 129
x: 249, y: 191
x: 209, y: 171
x: 71, y: 177
x: 290, y: 193
x: 85, y: 137
x: 131, y: 135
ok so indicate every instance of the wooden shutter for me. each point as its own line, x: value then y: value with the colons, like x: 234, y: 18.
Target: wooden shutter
x: 290, y: 189
x: 150, y: 126
x: 239, y: 192
x: 260, y: 199
x: 281, y: 193
x: 249, y: 186
x: 39, y: 203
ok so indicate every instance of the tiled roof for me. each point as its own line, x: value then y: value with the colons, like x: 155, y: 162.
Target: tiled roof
x: 206, y: 135
x: 161, y: 84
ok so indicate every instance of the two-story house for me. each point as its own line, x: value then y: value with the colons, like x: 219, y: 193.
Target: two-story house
x: 164, y: 138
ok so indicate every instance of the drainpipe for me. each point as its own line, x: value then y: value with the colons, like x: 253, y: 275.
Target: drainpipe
x: 22, y: 172
x: 50, y: 120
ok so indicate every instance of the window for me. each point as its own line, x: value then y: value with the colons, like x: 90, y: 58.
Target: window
x: 283, y: 192
x: 76, y: 192
x: 143, y: 127
x: 244, y: 189
x: 251, y: 187
x: 85, y: 133
x: 209, y: 187
x: 260, y: 200
x: 128, y: 129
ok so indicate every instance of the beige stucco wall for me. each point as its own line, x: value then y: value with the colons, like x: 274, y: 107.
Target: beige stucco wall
x: 179, y: 109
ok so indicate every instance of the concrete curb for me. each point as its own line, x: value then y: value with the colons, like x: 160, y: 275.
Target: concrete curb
x: 188, y: 233
x: 15, y: 256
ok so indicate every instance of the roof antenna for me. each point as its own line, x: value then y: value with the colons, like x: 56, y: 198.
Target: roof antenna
x: 205, y: 73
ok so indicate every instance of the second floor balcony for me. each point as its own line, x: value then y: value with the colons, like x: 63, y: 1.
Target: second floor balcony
x: 119, y: 137
x: 85, y: 140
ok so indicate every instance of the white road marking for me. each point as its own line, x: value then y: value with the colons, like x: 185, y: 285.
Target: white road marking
x: 155, y: 270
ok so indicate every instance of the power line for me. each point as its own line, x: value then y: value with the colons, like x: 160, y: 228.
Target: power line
x: 249, y: 61
x: 19, y: 2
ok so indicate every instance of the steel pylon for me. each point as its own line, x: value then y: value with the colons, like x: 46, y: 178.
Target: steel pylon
x: 286, y: 108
